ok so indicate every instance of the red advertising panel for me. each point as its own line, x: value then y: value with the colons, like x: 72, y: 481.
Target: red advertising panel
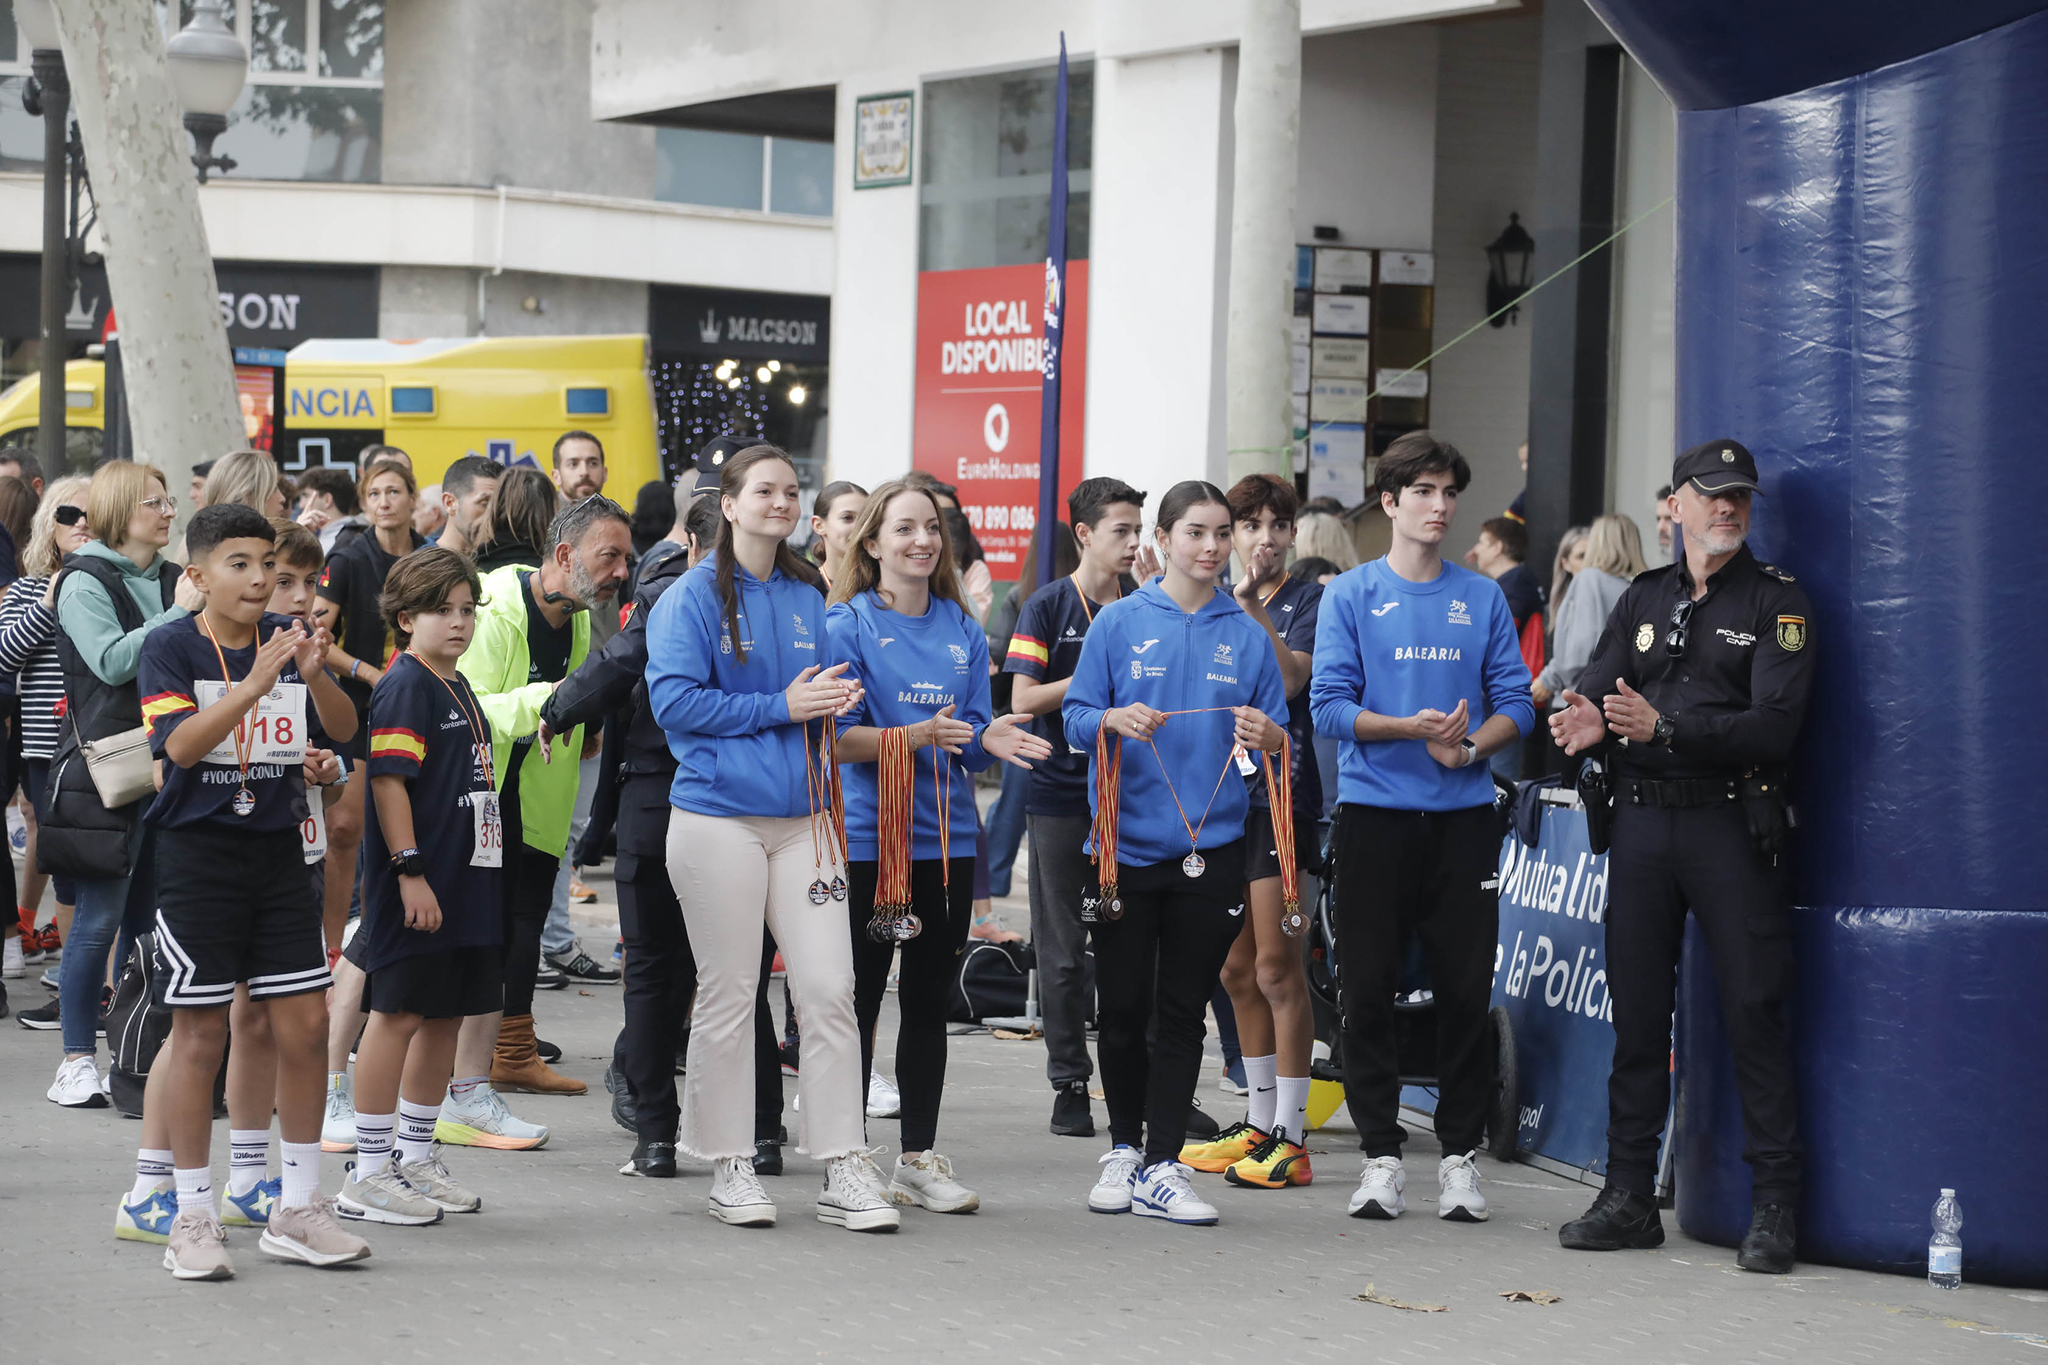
x: 978, y: 339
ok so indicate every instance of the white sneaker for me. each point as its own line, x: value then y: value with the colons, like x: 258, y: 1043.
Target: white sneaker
x: 434, y: 1181
x: 736, y: 1194
x: 482, y: 1120
x: 1379, y: 1189
x: 386, y: 1197
x: 853, y: 1196
x: 1458, y: 1197
x: 78, y: 1085
x: 1163, y: 1191
x: 883, y: 1100
x: 928, y: 1183
x: 1112, y: 1192
x: 338, y: 1128
x: 11, y: 963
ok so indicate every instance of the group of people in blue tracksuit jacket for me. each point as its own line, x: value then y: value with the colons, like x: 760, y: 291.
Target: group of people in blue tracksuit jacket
x: 1189, y: 704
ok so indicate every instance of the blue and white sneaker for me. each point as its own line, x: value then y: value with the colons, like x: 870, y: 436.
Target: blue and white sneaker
x: 1163, y: 1191
x: 251, y: 1209
x: 1112, y: 1192
x: 150, y: 1220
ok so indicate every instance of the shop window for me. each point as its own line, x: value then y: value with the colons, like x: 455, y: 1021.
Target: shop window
x: 985, y: 192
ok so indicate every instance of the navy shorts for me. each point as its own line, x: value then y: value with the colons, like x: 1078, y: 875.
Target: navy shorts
x: 453, y: 983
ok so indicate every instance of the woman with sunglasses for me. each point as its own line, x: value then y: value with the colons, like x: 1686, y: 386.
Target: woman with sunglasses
x: 28, y: 655
x: 99, y: 642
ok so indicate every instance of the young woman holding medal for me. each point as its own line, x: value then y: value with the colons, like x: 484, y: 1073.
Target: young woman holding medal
x: 1172, y: 681
x: 739, y: 678
x: 1264, y: 977
x: 899, y: 621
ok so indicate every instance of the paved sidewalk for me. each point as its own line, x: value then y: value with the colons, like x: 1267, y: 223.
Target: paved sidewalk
x: 571, y: 1262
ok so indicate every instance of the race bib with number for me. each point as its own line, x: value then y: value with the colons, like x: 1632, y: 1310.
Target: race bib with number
x: 488, y: 850
x: 277, y: 732
x: 313, y: 829
x: 1244, y: 761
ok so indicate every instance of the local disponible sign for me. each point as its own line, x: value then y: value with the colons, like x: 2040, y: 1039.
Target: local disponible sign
x: 980, y: 347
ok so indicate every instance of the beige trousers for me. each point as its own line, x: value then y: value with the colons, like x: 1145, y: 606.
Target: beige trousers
x: 732, y: 875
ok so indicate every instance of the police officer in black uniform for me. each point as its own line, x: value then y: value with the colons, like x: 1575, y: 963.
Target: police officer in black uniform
x: 1693, y: 699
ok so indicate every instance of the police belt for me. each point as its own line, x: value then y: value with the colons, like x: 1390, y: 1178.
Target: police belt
x: 1678, y: 793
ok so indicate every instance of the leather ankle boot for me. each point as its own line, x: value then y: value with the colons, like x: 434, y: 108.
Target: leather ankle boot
x: 518, y: 1067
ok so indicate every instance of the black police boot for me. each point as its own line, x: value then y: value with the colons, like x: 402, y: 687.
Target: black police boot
x: 624, y: 1111
x: 1772, y: 1240
x: 656, y: 1160
x: 1618, y: 1221
x: 767, y: 1156
x: 1202, y: 1125
x: 1070, y: 1114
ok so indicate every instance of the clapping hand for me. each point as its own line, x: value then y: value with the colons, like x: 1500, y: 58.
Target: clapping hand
x: 1577, y: 725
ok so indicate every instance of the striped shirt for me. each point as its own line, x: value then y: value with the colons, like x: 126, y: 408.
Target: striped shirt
x: 28, y: 654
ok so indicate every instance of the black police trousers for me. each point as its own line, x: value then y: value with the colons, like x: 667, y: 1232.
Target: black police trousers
x: 1664, y: 862
x: 1399, y: 873
x: 661, y: 974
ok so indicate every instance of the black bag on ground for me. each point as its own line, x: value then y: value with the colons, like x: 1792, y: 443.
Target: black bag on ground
x: 136, y: 1027
x: 76, y: 835
x: 138, y: 1024
x: 994, y: 980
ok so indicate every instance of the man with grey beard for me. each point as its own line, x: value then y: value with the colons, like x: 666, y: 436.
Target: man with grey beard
x: 1694, y: 697
x: 532, y: 630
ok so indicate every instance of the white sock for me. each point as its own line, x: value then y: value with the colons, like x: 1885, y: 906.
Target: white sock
x: 248, y: 1158
x: 373, y: 1142
x: 1258, y: 1078
x: 152, y: 1169
x: 195, y: 1191
x: 416, y: 1129
x: 300, y: 1177
x: 1292, y: 1107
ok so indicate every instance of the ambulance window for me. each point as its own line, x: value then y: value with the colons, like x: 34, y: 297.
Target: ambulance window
x: 589, y: 402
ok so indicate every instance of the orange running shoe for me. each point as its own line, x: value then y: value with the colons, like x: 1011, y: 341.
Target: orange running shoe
x: 1273, y: 1165
x: 1232, y: 1144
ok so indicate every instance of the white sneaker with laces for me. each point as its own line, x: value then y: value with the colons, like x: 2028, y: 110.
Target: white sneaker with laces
x: 883, y: 1100
x: 78, y: 1085
x: 481, y: 1119
x: 1379, y: 1189
x: 928, y: 1183
x: 433, y: 1179
x: 1112, y: 1192
x: 1458, y: 1197
x: 737, y: 1196
x: 385, y: 1197
x: 853, y: 1196
x: 11, y: 962
x: 338, y: 1127
x: 1163, y: 1191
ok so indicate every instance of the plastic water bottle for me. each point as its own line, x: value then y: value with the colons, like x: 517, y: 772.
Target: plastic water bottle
x: 1945, y: 1247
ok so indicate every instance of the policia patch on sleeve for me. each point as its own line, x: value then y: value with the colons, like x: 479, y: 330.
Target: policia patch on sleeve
x: 1792, y: 633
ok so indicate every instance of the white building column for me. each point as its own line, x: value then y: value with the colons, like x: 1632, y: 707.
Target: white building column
x: 1159, y: 246
x: 874, y: 302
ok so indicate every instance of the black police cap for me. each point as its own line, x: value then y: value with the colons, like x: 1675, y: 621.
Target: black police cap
x: 1715, y: 467
x: 711, y: 459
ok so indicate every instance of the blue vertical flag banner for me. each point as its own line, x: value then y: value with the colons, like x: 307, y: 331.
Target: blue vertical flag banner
x: 1050, y: 352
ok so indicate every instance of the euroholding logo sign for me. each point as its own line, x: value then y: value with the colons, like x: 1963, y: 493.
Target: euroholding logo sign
x: 342, y: 403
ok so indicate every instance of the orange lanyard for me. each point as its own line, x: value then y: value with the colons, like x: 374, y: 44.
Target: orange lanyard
x: 245, y: 734
x: 474, y: 717
x: 1086, y: 611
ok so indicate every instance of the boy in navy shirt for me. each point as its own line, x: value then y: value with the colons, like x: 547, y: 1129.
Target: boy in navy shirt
x: 232, y: 699
x: 1107, y: 516
x: 1418, y: 669
x: 431, y: 936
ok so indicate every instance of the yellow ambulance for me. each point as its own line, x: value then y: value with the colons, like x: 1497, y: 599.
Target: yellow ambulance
x: 504, y: 398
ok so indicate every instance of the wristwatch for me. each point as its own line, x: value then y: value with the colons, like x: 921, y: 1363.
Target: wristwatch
x: 409, y: 863
x: 1662, y: 732
x: 1471, y: 752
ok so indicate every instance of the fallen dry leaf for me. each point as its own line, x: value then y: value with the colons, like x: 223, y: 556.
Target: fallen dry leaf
x: 1372, y: 1295
x: 1009, y: 1035
x: 1530, y: 1296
